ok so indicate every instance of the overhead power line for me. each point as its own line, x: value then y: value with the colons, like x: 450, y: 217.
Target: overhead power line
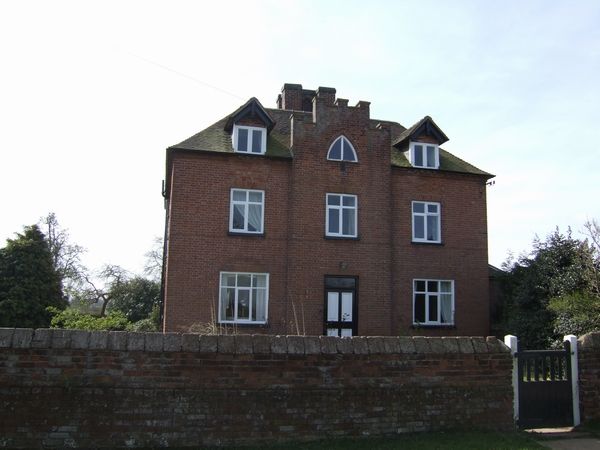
x: 189, y: 77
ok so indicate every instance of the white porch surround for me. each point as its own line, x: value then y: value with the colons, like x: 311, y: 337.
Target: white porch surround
x: 575, y: 377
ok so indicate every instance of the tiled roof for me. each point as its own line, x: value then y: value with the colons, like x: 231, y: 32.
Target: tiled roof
x: 216, y: 139
x: 426, y: 123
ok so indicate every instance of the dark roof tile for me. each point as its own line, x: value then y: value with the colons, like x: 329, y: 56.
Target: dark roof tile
x: 216, y: 139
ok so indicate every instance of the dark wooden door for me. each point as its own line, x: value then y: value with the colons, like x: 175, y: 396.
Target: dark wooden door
x: 340, y: 306
x: 545, y: 388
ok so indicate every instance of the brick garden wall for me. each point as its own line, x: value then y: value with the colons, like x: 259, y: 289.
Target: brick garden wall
x: 589, y: 377
x: 111, y: 389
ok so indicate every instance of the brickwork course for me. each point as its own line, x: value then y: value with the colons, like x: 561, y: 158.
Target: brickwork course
x: 61, y: 388
x: 295, y: 175
x: 589, y: 377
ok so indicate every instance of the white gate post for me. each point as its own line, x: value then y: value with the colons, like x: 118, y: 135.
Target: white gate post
x: 574, y: 378
x: 511, y: 342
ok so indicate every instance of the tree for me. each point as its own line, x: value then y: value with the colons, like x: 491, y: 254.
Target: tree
x: 577, y: 313
x: 29, y: 281
x: 135, y: 297
x: 154, y: 259
x: 558, y: 266
x: 65, y: 255
x: 100, y: 293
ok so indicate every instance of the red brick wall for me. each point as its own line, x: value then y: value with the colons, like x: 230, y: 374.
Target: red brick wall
x: 462, y: 255
x: 589, y: 377
x: 294, y: 250
x: 62, y: 388
x: 199, y: 242
x: 311, y: 255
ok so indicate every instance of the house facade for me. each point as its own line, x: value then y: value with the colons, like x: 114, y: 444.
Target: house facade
x: 313, y: 218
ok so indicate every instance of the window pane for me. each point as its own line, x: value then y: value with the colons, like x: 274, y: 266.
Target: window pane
x: 446, y: 306
x: 336, y: 150
x: 445, y: 286
x: 418, y: 155
x: 348, y: 201
x: 243, y: 280
x: 259, y: 281
x: 255, y: 196
x: 228, y: 280
x: 333, y: 199
x: 432, y: 228
x: 334, y: 220
x: 340, y: 282
x: 238, y: 217
x: 332, y: 307
x: 432, y: 286
x: 256, y: 141
x: 227, y: 299
x: 420, y: 285
x: 346, y: 332
x: 243, y: 307
x: 433, y: 308
x: 418, y: 207
x: 239, y: 195
x: 255, y: 218
x: 420, y: 308
x: 348, y: 227
x: 432, y: 208
x: 348, y: 153
x: 332, y: 332
x: 419, y: 227
x: 242, y: 140
x: 259, y: 310
x: 430, y: 156
x: 347, y: 306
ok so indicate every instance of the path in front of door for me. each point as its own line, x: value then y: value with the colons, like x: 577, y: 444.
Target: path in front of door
x: 566, y: 438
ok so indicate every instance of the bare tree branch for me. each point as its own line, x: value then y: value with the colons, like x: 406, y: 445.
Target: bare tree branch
x: 154, y: 259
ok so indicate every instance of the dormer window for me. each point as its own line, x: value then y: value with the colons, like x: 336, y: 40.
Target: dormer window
x: 424, y: 155
x: 342, y: 150
x: 251, y: 140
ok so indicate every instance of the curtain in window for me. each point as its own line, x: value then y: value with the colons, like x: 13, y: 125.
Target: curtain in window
x: 238, y: 217
x: 259, y: 312
x: 446, y: 303
x: 254, y: 217
x: 348, y: 222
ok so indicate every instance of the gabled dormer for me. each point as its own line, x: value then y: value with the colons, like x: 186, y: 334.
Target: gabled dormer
x: 421, y: 142
x: 249, y: 126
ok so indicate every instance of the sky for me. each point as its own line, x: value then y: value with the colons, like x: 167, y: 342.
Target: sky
x: 93, y: 92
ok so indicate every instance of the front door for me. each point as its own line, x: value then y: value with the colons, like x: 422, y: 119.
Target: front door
x: 340, y: 306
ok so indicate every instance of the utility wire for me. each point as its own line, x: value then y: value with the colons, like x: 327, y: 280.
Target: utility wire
x: 223, y: 91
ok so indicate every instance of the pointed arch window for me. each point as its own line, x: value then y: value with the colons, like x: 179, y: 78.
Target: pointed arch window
x: 342, y: 150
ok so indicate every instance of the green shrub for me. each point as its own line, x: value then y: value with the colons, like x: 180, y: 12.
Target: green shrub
x: 577, y: 313
x: 74, y: 320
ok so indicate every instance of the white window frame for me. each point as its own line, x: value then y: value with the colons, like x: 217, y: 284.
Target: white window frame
x: 345, y: 141
x: 427, y: 294
x: 252, y: 303
x: 341, y: 208
x: 246, y: 204
x: 426, y: 214
x: 235, y: 139
x: 436, y: 163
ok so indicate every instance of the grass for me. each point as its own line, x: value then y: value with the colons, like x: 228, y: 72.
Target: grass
x: 421, y: 441
x: 592, y: 427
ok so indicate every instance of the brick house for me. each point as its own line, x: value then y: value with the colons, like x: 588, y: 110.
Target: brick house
x: 314, y: 218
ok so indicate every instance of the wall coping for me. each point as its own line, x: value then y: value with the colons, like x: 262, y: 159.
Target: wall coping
x: 589, y: 341
x: 54, y: 338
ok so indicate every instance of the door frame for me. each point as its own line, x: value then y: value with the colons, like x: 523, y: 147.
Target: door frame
x: 340, y: 290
